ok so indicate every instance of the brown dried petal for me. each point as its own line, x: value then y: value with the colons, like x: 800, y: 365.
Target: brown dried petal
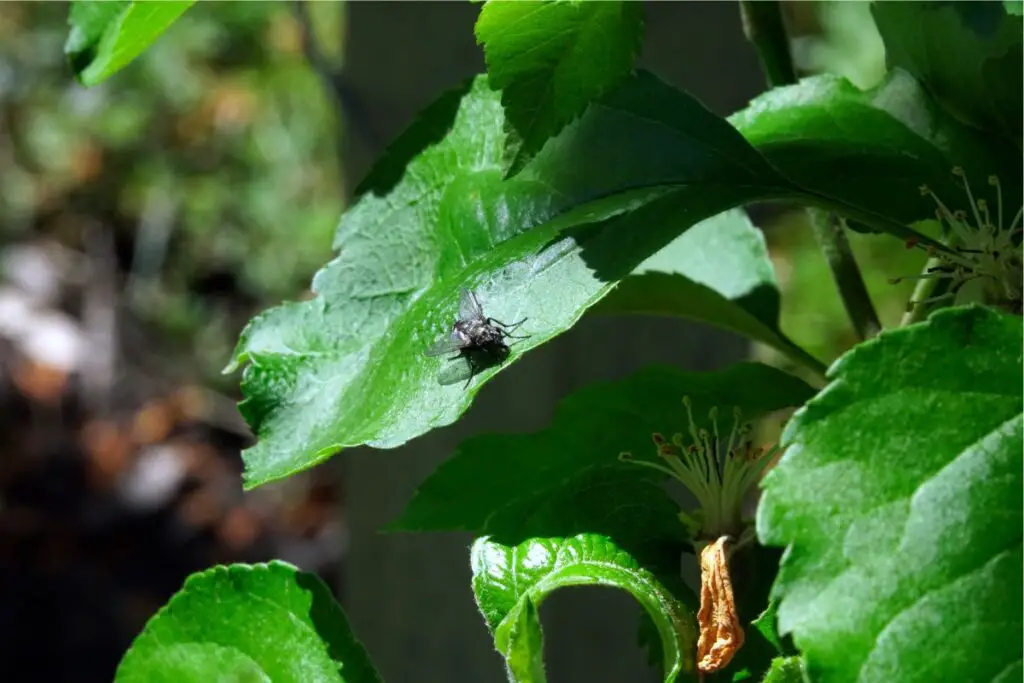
x: 721, y: 635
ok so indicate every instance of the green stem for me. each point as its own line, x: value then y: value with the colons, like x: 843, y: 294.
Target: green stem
x: 831, y: 237
x: 763, y: 27
x: 923, y: 290
x: 872, y: 220
x: 802, y: 358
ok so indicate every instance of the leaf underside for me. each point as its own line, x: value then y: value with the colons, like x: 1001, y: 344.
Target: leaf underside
x: 510, y: 581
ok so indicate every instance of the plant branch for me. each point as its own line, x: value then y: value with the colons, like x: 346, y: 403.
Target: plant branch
x: 763, y: 27
x: 831, y: 237
x: 797, y: 355
x: 924, y: 295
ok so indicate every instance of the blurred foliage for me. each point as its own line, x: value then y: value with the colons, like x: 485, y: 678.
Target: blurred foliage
x: 839, y: 38
x: 812, y: 313
x: 212, y: 159
x: 844, y: 41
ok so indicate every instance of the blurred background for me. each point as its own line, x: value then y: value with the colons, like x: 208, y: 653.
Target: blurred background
x: 144, y: 221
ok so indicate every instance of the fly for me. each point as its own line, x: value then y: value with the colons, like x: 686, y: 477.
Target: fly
x: 475, y: 338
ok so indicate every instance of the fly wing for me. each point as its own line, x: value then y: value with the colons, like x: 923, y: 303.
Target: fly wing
x: 449, y: 344
x: 473, y: 360
x: 455, y: 372
x: 469, y: 306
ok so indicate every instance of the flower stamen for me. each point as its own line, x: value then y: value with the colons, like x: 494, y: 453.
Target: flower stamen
x: 718, y: 471
x: 984, y: 250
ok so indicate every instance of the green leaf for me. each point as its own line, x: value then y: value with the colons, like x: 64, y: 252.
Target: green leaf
x: 106, y: 35
x: 976, y: 76
x: 882, y: 144
x: 1014, y: 7
x: 567, y: 478
x: 785, y: 670
x: 348, y: 367
x: 509, y: 580
x: 524, y: 654
x: 718, y: 272
x: 766, y: 626
x: 264, y: 622
x: 983, y: 18
x: 552, y: 59
x: 900, y: 500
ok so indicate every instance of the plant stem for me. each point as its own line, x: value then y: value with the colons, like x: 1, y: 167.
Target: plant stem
x: 836, y: 248
x: 805, y: 360
x: 922, y: 291
x: 764, y: 28
x: 334, y: 81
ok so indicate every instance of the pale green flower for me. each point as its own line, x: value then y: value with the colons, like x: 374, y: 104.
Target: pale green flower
x: 982, y: 248
x: 718, y: 471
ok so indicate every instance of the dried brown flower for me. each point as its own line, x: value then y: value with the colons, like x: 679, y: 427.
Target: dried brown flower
x: 721, y: 634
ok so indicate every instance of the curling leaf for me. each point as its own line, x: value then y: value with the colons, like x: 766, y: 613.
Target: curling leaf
x: 510, y: 582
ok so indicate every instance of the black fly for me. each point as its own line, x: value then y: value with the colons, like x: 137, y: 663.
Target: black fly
x: 475, y: 338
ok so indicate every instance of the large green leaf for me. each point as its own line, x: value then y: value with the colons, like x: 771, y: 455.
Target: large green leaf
x: 564, y: 479
x: 511, y: 581
x: 348, y: 368
x: 717, y: 272
x: 900, y: 501
x: 636, y: 170
x: 551, y: 59
x: 264, y: 622
x: 106, y: 35
x: 883, y: 144
x: 976, y: 71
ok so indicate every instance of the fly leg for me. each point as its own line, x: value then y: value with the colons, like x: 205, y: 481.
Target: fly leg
x: 474, y: 366
x: 506, y: 327
x: 495, y: 321
x: 473, y: 370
